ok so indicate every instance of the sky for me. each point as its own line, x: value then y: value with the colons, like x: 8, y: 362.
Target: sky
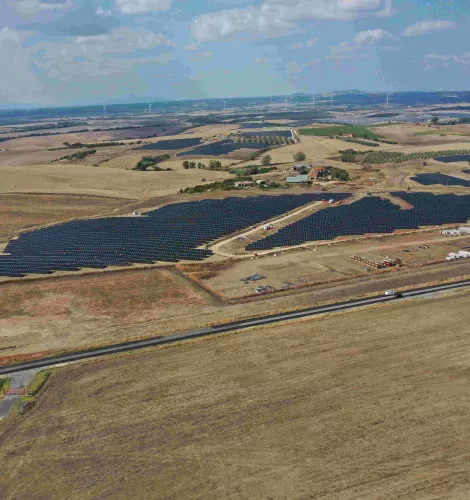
x: 78, y: 52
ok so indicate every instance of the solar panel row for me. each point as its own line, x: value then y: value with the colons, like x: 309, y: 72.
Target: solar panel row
x: 171, y: 233
x: 370, y: 215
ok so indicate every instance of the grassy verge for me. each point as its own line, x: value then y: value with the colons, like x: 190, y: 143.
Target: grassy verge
x: 35, y: 385
x: 4, y: 385
x: 38, y: 381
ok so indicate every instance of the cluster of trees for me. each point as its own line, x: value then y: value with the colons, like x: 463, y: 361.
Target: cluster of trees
x: 266, y: 160
x: 381, y: 157
x: 225, y: 185
x: 265, y: 139
x: 251, y: 170
x: 79, y: 156
x: 337, y: 173
x: 79, y: 145
x: 192, y: 164
x: 359, y: 141
x: 257, y: 154
x: 152, y: 161
x: 349, y: 155
x: 213, y: 165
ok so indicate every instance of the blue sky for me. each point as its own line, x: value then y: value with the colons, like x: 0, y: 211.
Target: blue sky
x: 67, y: 52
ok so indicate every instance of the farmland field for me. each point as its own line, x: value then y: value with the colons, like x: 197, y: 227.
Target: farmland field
x: 101, y: 181
x: 358, y: 131
x: 122, y: 162
x: 381, y: 157
x: 365, y: 405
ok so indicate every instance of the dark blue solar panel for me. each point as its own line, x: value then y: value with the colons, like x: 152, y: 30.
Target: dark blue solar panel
x: 371, y: 215
x: 171, y: 233
x: 444, y: 180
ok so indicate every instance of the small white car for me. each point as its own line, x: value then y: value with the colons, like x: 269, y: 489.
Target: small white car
x: 389, y: 293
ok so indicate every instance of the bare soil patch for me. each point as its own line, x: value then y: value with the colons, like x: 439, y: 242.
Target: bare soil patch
x: 331, y: 262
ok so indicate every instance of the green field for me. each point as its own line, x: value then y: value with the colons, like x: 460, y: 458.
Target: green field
x: 362, y: 132
x: 378, y: 125
x: 441, y: 132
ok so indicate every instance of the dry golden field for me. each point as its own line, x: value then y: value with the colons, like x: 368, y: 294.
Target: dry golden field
x: 102, y: 181
x: 82, y: 310
x: 371, y: 404
x: 412, y: 134
x: 22, y: 211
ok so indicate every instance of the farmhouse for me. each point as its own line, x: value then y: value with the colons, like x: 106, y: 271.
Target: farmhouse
x: 298, y: 179
x: 348, y: 136
x: 263, y: 182
x: 244, y: 184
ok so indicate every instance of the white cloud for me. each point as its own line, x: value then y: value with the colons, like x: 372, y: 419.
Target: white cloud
x: 20, y: 85
x: 33, y: 7
x: 363, y: 39
x: 102, y: 13
x: 122, y: 40
x: 262, y: 60
x: 98, y: 56
x: 295, y: 67
x: 425, y: 27
x: 191, y: 46
x: 312, y: 63
x: 141, y: 6
x: 202, y: 56
x: 307, y: 44
x: 273, y: 16
x: 296, y: 46
x: 432, y: 61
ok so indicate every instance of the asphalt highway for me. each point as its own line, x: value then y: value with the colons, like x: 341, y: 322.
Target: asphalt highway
x: 225, y: 327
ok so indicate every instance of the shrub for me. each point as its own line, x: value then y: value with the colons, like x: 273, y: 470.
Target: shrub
x: 300, y: 156
x: 266, y: 160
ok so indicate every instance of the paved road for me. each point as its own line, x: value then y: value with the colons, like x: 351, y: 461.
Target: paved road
x: 225, y: 327
x: 18, y: 381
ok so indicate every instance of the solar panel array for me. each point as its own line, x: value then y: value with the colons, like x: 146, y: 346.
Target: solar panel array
x: 444, y: 180
x: 370, y: 215
x: 171, y: 233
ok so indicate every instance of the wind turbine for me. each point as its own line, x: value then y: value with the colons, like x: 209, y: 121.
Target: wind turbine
x: 388, y: 99
x: 224, y: 103
x: 287, y: 105
x: 313, y: 100
x: 331, y: 99
x: 150, y: 108
x: 104, y: 110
